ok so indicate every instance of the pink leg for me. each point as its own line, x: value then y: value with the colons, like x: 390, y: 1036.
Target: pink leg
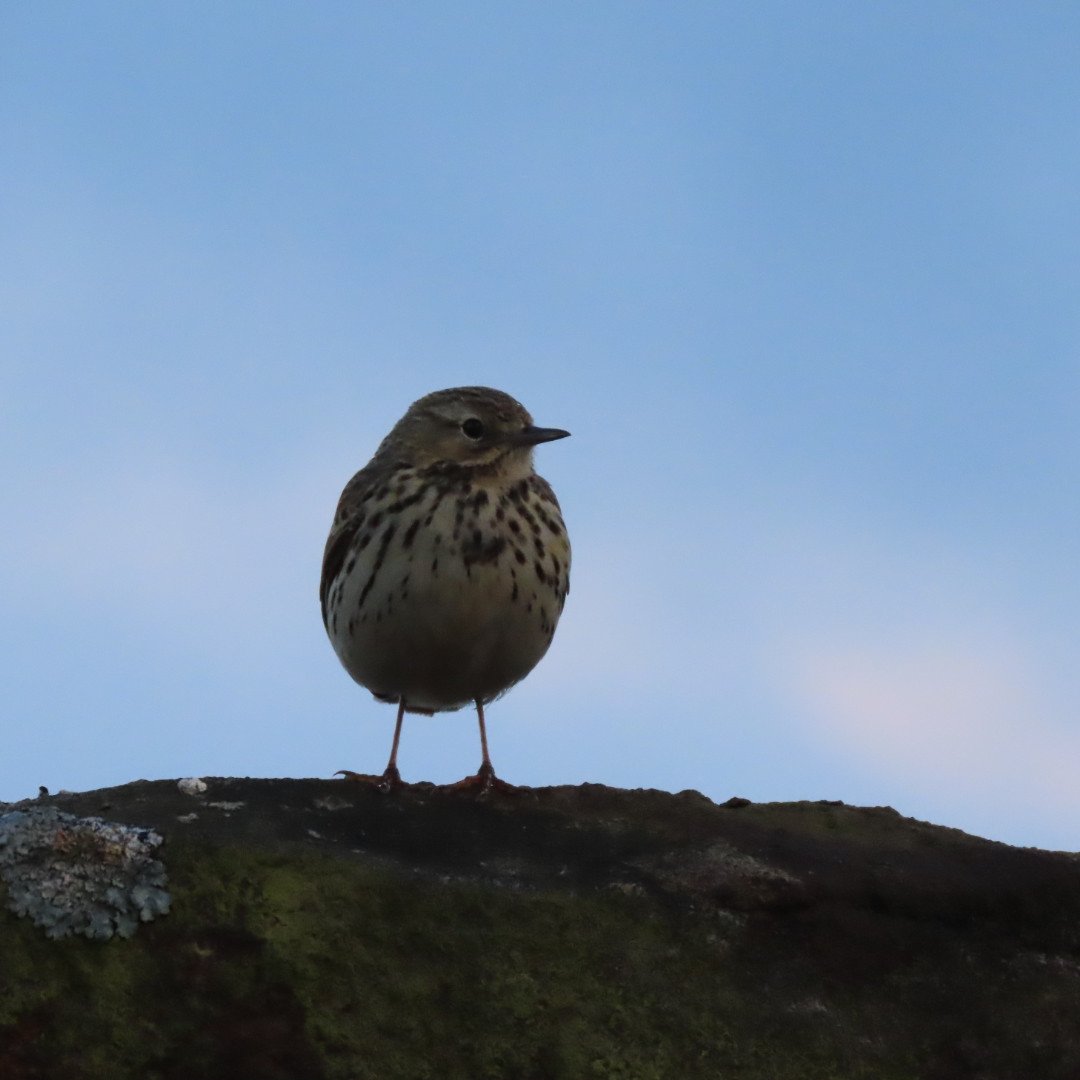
x: 485, y: 765
x: 391, y: 773
x: 391, y: 778
x: 485, y: 778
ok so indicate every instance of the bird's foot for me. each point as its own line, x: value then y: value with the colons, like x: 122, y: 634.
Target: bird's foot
x: 483, y: 783
x: 389, y: 782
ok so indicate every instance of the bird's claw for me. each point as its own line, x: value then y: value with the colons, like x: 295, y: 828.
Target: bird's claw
x: 483, y: 783
x: 389, y: 782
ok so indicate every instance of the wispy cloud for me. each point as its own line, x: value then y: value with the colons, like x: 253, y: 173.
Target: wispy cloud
x: 929, y: 670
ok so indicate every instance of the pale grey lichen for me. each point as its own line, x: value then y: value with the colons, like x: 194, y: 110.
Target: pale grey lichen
x: 72, y: 875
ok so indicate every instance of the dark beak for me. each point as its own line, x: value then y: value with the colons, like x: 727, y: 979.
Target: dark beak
x: 530, y: 436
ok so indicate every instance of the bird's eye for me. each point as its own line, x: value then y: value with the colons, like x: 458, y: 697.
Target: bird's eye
x: 473, y: 428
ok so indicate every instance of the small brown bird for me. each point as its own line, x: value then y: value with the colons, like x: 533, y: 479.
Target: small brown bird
x: 448, y: 563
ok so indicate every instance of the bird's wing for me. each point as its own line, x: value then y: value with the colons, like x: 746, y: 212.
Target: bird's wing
x: 347, y: 521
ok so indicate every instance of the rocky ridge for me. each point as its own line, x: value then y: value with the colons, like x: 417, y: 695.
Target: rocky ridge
x: 322, y: 929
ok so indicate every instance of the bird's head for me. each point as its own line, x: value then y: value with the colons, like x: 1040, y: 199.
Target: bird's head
x: 469, y: 426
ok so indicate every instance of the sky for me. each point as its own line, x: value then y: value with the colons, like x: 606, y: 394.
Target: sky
x: 803, y: 281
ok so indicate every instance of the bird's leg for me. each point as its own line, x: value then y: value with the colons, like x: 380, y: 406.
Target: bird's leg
x: 391, y: 778
x: 485, y: 779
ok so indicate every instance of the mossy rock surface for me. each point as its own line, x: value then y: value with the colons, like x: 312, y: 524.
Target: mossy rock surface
x: 320, y: 929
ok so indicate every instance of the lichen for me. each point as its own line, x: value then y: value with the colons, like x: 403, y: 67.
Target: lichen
x: 72, y: 875
x: 727, y: 876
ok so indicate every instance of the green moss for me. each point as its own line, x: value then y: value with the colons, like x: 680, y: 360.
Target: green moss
x: 414, y: 978
x: 289, y: 966
x: 410, y: 977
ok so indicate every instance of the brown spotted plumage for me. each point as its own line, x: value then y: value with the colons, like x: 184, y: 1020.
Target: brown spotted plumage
x: 448, y: 563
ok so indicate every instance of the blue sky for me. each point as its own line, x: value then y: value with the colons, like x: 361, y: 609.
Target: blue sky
x: 802, y: 280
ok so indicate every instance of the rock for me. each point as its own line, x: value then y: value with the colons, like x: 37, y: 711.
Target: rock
x: 321, y: 929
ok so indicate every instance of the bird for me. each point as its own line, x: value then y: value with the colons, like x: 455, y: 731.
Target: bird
x: 447, y: 565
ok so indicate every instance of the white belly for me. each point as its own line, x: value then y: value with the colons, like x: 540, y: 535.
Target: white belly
x: 428, y: 622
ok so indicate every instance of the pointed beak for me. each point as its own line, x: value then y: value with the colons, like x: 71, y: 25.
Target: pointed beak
x: 531, y: 436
